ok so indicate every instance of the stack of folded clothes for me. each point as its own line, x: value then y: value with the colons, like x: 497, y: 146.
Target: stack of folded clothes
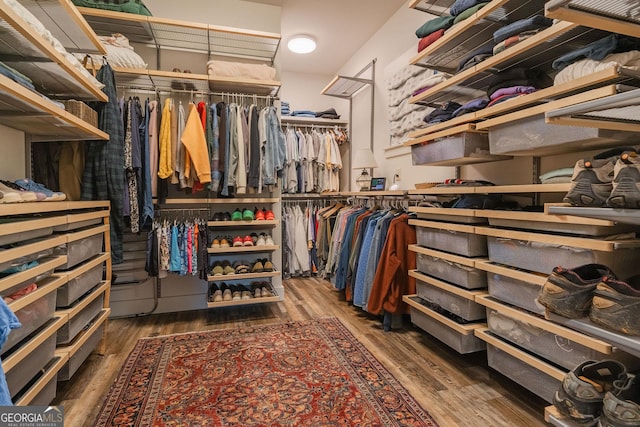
x: 442, y: 113
x: 432, y: 30
x: 471, y: 106
x: 463, y: 9
x: 475, y: 57
x: 303, y: 113
x: 515, y: 82
x: 329, y: 113
x: 284, y: 108
x: 518, y: 31
x: 611, y: 51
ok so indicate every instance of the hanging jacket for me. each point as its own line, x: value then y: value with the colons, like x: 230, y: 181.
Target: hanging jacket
x: 195, y: 142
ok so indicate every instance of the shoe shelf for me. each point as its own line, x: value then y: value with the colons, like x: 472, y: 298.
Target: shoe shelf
x: 66, y: 24
x: 616, y: 16
x: 555, y: 418
x: 625, y: 216
x: 252, y: 301
x: 223, y: 201
x: 245, y: 276
x: 243, y: 223
x: 237, y: 249
x: 25, y: 110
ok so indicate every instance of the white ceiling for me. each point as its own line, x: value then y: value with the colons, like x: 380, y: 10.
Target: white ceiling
x: 340, y: 28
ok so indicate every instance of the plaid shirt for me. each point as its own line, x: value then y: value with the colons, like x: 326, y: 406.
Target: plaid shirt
x: 104, y: 176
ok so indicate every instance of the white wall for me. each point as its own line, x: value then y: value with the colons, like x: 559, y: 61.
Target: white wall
x: 302, y: 91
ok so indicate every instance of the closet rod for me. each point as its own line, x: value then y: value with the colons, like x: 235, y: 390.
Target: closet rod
x: 339, y: 126
x: 195, y: 92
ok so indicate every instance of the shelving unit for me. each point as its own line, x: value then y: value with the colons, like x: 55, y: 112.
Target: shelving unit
x: 298, y: 120
x: 615, y: 15
x: 242, y: 249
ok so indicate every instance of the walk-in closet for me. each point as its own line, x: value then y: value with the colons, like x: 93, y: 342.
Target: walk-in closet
x: 295, y: 213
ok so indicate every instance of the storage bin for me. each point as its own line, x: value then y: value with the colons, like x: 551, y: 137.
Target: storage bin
x: 547, y: 345
x: 70, y: 368
x: 533, y: 136
x: 565, y: 228
x: 534, y: 380
x: 455, y: 304
x: 44, y: 272
x: 515, y: 292
x: 32, y: 317
x: 462, y: 343
x: 78, y: 322
x: 82, y: 111
x: 78, y: 286
x: 81, y: 250
x: 77, y: 225
x: 455, y: 150
x: 543, y: 257
x: 457, y: 242
x: 8, y: 239
x: 25, y: 370
x: 47, y: 394
x: 452, y: 272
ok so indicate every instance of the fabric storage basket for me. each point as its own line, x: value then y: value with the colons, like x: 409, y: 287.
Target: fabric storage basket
x: 452, y: 272
x: 82, y: 111
x: 25, y: 370
x: 32, y: 317
x: 78, y: 322
x: 455, y: 304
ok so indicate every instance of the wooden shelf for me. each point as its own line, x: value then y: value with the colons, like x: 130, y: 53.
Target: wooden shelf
x: 616, y: 16
x: 345, y: 87
x: 254, y: 223
x: 241, y: 249
x: 66, y: 24
x: 398, y: 193
x: 295, y: 120
x: 541, y: 217
x: 223, y: 201
x: 463, y: 329
x: 25, y: 110
x: 443, y: 211
x: 28, y: 52
x: 45, y: 287
x: 461, y: 228
x: 458, y: 259
x: 467, y: 127
x: 522, y: 275
x: 214, y: 40
x: 76, y: 344
x: 252, y: 301
x: 41, y: 207
x: 449, y: 191
x: 447, y: 287
x: 24, y: 350
x: 247, y: 276
x: 44, y: 266
x: 524, y: 188
x: 49, y: 373
x: 83, y: 303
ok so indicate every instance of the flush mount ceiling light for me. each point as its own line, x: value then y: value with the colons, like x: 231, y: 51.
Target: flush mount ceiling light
x: 302, y: 44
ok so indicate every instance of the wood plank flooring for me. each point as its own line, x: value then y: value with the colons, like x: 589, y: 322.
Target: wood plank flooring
x: 457, y: 390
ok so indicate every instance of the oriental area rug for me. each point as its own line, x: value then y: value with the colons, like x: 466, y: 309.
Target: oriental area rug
x: 307, y: 373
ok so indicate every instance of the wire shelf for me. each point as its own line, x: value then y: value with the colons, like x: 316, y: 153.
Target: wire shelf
x: 618, y: 16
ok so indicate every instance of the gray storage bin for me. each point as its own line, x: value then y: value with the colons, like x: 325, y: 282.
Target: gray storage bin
x: 534, y: 380
x: 515, y: 292
x: 78, y: 286
x: 460, y: 219
x: 78, y: 322
x: 33, y: 279
x: 47, y: 394
x: 456, y: 304
x: 460, y: 149
x: 81, y: 250
x: 75, y: 361
x: 8, y: 239
x: 457, y: 242
x: 77, y: 225
x: 32, y: 317
x: 566, y: 228
x: 549, y: 346
x: 452, y: 272
x: 25, y: 370
x: 532, y: 136
x: 459, y: 342
x: 543, y: 257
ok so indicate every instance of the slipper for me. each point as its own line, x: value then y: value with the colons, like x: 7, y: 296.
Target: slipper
x: 257, y: 267
x: 268, y: 265
x: 241, y: 268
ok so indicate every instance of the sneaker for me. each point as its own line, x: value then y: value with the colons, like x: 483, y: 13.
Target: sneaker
x: 236, y: 215
x: 268, y: 240
x: 226, y: 216
x: 247, y: 241
x: 217, y: 296
x: 254, y: 238
x: 266, y: 292
x: 247, y: 215
x: 218, y: 216
x: 269, y: 216
x: 568, y: 292
x: 238, y: 241
x: 583, y: 389
x: 258, y: 267
x: 626, y: 182
x: 262, y: 241
x: 226, y: 295
x: 10, y: 195
x: 27, y: 196
x: 259, y: 214
x: 616, y: 305
x: 241, y: 268
x: 591, y: 183
x: 267, y: 265
x: 227, y: 269
x: 215, y: 243
x: 36, y: 187
x: 224, y: 242
x: 621, y: 407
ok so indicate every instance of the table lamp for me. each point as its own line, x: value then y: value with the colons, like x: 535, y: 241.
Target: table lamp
x: 364, y: 160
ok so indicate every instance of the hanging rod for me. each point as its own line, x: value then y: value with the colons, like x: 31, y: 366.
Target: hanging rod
x: 195, y: 92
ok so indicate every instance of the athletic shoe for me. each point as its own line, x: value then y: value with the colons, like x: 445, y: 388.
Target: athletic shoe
x: 591, y: 183
x: 236, y: 215
x: 247, y: 215
x: 616, y: 305
x: 254, y: 238
x: 27, y: 196
x: 269, y: 216
x: 258, y: 267
x: 216, y: 243
x: 568, y: 292
x: 259, y: 214
x: 10, y: 195
x: 268, y: 240
x: 36, y: 187
x: 621, y: 406
x: 261, y: 240
x: 583, y: 389
x: 247, y: 241
x: 626, y: 182
x: 224, y: 242
x: 238, y: 241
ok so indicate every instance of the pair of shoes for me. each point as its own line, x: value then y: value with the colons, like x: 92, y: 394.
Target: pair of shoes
x: 42, y: 192
x: 262, y: 290
x: 258, y: 267
x: 217, y: 270
x: 264, y: 240
x: 610, y: 179
x: 266, y: 264
x: 583, y: 389
x: 264, y: 214
x: 11, y: 195
x: 594, y: 290
x: 225, y: 242
x: 240, y: 267
x: 242, y: 215
x: 222, y: 216
x: 238, y: 241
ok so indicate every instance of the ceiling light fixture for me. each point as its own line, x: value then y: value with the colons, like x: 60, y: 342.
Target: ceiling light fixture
x: 302, y: 44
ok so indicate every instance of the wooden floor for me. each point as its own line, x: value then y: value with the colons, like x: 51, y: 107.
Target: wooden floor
x: 456, y: 390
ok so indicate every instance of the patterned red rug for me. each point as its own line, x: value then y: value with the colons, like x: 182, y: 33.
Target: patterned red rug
x: 310, y: 373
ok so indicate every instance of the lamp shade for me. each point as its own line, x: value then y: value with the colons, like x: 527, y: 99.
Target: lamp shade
x: 363, y: 158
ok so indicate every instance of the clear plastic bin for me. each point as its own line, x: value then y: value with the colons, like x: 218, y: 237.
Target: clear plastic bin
x: 75, y: 361
x: 452, y: 272
x: 459, y: 342
x: 456, y: 304
x: 515, y: 292
x: 456, y: 242
x: 81, y: 250
x: 78, y: 286
x: 78, y: 322
x: 32, y: 317
x: 25, y: 370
